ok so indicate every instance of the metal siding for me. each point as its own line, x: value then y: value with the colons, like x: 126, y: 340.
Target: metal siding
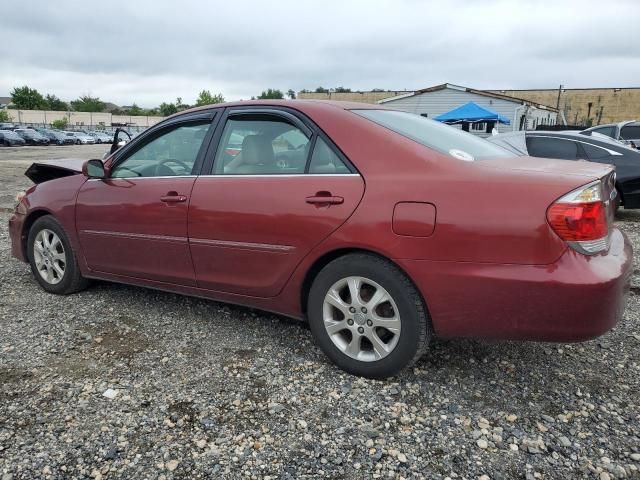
x: 441, y: 101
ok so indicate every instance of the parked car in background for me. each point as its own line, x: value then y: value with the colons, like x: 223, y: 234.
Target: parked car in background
x: 389, y: 228
x: 9, y: 138
x: 55, y: 136
x: 576, y: 146
x: 81, y: 138
x: 31, y: 137
x: 626, y: 132
x: 8, y: 126
x: 100, y: 137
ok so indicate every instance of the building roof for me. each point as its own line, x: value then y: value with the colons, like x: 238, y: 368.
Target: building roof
x: 470, y: 90
x: 5, y: 100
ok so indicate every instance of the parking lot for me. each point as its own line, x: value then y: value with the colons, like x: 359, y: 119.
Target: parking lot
x: 207, y: 390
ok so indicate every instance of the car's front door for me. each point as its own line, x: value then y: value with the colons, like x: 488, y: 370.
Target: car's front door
x: 278, y: 189
x: 134, y: 223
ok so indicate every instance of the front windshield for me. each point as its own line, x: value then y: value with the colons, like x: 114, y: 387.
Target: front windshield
x: 438, y: 136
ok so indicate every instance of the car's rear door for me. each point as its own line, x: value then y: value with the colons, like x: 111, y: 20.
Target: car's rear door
x: 134, y: 223
x: 277, y: 188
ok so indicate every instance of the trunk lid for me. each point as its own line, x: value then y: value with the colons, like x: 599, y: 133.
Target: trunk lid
x: 576, y: 168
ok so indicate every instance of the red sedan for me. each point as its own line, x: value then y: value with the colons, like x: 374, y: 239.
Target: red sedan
x: 382, y: 228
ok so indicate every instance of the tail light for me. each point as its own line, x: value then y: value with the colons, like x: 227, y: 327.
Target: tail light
x: 582, y: 218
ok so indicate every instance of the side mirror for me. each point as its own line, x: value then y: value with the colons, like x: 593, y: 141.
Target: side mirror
x: 93, y: 169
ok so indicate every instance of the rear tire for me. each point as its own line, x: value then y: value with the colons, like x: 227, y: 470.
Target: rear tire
x: 352, y: 329
x: 53, y: 262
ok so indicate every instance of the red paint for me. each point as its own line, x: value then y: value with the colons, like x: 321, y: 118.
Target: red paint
x: 491, y: 267
x: 126, y: 228
x: 414, y: 219
x: 272, y: 220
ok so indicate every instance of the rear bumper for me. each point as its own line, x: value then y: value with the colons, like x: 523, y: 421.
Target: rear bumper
x: 16, y: 224
x: 574, y: 299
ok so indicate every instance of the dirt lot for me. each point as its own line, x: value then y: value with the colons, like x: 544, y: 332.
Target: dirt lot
x: 206, y: 390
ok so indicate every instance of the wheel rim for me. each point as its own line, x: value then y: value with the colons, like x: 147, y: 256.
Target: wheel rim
x: 49, y: 256
x: 361, y: 319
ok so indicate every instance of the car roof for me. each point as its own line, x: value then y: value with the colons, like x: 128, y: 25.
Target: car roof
x: 305, y: 106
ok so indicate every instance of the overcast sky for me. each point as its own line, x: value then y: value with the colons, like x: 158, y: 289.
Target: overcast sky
x: 149, y: 52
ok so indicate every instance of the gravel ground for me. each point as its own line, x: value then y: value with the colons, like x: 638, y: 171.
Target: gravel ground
x: 123, y: 382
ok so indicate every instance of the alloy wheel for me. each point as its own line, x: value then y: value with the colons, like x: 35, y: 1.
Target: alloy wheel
x: 49, y: 256
x: 361, y: 319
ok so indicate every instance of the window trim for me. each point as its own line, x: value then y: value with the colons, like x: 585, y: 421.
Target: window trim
x: 162, y: 128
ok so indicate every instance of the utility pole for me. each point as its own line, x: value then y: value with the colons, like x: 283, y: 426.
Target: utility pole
x: 558, y: 102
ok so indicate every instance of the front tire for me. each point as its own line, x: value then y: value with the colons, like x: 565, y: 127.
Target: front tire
x: 367, y: 316
x: 53, y: 262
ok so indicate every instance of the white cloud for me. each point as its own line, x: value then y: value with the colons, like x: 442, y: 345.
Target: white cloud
x: 149, y: 52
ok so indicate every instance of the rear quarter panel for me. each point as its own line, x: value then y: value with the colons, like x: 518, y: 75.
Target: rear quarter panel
x: 485, y: 211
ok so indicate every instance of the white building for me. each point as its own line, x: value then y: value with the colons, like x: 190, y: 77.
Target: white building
x: 433, y: 101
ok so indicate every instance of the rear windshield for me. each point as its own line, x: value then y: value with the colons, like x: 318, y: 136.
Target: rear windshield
x: 438, y: 136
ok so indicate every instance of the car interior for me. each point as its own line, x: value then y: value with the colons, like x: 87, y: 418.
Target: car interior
x: 272, y: 147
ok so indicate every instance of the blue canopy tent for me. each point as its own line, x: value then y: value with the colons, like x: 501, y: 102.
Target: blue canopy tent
x: 471, y: 113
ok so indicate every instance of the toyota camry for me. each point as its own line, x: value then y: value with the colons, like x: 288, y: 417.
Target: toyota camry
x: 382, y: 228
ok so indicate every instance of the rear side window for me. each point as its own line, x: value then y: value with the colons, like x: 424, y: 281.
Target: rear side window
x: 435, y: 135
x: 547, y: 147
x: 608, y: 131
x: 630, y: 132
x: 324, y: 160
x: 261, y: 144
x: 595, y: 153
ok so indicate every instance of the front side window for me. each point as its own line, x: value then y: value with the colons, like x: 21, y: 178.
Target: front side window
x: 435, y: 135
x: 547, y: 147
x: 173, y: 153
x: 261, y: 144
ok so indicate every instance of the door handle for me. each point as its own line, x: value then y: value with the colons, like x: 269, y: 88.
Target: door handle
x: 324, y: 198
x: 173, y: 197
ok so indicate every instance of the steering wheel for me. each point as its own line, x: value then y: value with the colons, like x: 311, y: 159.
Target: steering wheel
x: 162, y: 165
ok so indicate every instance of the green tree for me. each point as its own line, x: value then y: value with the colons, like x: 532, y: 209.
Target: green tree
x: 205, y: 98
x: 342, y: 90
x: 87, y: 103
x: 167, y: 109
x: 291, y: 94
x: 322, y: 90
x: 60, y: 124
x: 4, y: 116
x: 136, y: 110
x: 271, y: 93
x: 54, y: 103
x: 26, y: 98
